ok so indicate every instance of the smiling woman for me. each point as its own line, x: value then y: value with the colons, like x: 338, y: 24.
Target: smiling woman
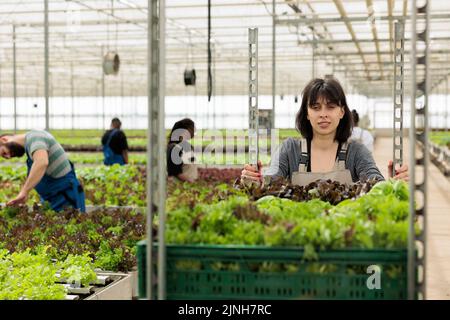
x: 324, y: 152
x: 324, y: 111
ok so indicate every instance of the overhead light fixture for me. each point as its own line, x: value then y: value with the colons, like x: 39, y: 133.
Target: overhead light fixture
x: 189, y: 77
x: 111, y: 63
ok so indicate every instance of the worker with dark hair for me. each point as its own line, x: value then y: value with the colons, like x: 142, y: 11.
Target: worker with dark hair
x: 359, y: 134
x: 180, y: 155
x: 324, y: 151
x: 115, y: 144
x: 50, y: 172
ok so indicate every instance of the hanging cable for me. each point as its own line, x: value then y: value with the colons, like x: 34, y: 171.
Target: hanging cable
x: 265, y: 6
x: 117, y: 25
x: 209, y: 52
x: 107, y: 33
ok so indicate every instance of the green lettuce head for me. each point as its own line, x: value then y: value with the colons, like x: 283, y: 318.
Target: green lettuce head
x: 401, y: 190
x: 382, y: 188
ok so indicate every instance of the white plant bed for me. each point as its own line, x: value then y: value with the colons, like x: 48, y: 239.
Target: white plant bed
x: 120, y: 289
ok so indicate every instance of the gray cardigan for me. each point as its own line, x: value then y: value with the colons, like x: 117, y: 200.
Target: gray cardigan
x: 359, y: 161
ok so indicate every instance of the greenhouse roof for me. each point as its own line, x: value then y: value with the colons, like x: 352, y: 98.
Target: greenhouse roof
x: 350, y: 39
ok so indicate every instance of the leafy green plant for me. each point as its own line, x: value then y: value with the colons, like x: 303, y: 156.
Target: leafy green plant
x: 107, y: 257
x: 325, y: 190
x: 377, y: 219
x: 110, y: 233
x: 441, y: 138
x: 28, y: 276
x: 78, y: 270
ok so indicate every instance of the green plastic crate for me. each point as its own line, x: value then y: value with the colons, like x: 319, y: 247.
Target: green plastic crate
x: 253, y: 272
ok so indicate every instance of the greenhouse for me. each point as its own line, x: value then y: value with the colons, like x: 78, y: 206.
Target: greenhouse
x: 224, y: 150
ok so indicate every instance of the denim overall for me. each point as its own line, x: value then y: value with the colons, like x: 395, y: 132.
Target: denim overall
x: 111, y: 157
x: 62, y: 192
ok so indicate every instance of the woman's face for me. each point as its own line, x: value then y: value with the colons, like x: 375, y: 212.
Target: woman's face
x: 324, y: 117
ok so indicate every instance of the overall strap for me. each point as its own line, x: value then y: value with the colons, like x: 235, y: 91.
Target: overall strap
x: 342, y: 157
x: 29, y: 158
x: 304, y: 156
x: 111, y: 135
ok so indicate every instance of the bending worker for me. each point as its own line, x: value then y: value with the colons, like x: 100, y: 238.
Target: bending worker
x: 115, y: 144
x: 324, y: 151
x: 50, y: 172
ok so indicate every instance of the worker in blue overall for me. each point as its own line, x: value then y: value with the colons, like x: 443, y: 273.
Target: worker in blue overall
x: 50, y: 172
x: 115, y: 144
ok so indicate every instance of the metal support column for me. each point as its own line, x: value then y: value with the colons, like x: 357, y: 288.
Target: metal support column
x: 313, y: 62
x: 14, y: 79
x: 374, y: 112
x: 418, y: 133
x: 274, y: 74
x: 346, y: 79
x: 103, y: 91
x: 214, y: 81
x: 446, y: 126
x: 0, y: 95
x: 436, y: 115
x: 46, y: 53
x: 253, y: 114
x: 399, y: 50
x: 122, y: 103
x: 72, y: 94
x: 443, y: 99
x: 156, y: 160
x: 333, y: 72
x: 161, y: 191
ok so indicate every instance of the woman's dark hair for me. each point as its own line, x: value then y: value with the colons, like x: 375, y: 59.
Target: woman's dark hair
x: 355, y: 117
x: 331, y: 90
x: 186, y: 124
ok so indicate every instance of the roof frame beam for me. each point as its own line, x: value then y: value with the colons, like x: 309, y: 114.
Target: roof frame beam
x: 371, y: 13
x: 343, y: 13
